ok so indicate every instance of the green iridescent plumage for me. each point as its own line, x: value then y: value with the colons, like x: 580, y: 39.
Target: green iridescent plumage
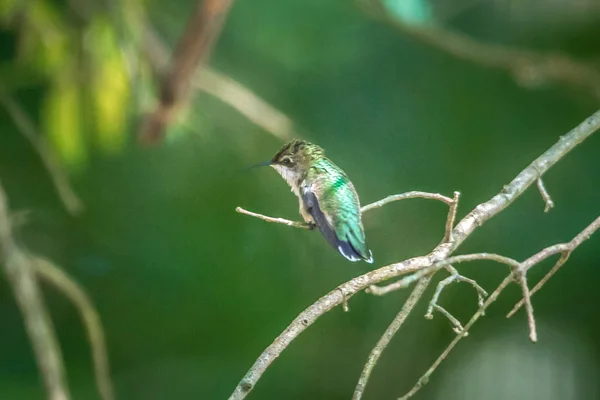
x: 326, y: 195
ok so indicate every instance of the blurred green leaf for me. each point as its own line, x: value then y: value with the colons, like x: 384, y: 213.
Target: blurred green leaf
x: 62, y: 122
x: 110, y: 85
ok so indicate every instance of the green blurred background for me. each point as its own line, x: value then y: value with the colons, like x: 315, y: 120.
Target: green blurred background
x: 190, y: 292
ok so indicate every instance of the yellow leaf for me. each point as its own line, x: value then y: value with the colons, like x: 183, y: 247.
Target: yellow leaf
x: 61, y: 118
x: 110, y: 86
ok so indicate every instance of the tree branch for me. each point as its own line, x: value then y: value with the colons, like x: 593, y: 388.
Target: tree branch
x: 528, y: 67
x: 545, y: 195
x: 368, y: 207
x: 565, y: 249
x: 518, y: 269
x: 21, y: 275
x: 90, y: 318
x: 407, y: 195
x: 387, y: 336
x: 226, y: 89
x: 453, y: 207
x: 451, y: 217
x: 440, y: 255
x: 25, y: 126
x: 529, y: 307
x: 425, y: 378
x: 453, y: 278
x: 194, y: 46
x: 22, y: 270
x: 283, y: 221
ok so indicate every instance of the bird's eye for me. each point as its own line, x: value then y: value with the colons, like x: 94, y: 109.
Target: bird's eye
x: 286, y: 161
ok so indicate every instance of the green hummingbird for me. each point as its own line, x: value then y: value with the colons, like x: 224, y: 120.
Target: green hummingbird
x: 326, y: 195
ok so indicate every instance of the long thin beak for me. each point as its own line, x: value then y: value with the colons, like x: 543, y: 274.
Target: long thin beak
x: 262, y: 164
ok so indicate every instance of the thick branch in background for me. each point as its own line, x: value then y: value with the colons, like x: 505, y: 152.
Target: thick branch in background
x: 529, y: 68
x: 426, y: 265
x: 22, y: 270
x: 224, y: 88
x: 194, y: 46
x: 21, y: 276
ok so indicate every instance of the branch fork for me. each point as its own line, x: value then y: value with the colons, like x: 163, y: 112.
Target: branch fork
x: 419, y: 270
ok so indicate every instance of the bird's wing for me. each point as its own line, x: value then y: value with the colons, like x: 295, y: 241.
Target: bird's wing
x: 343, y: 233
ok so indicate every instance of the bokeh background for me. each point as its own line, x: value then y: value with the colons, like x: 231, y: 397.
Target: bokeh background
x: 190, y: 292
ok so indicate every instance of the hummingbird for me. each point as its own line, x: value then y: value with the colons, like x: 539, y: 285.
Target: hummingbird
x: 327, y: 198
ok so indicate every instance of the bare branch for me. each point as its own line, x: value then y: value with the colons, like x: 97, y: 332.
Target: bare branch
x: 67, y: 195
x: 563, y: 258
x: 451, y: 217
x: 481, y: 293
x: 283, y: 221
x: 229, y: 91
x: 245, y: 102
x: 312, y: 313
x: 433, y: 304
x: 387, y: 336
x: 438, y: 256
x: 377, y: 204
x: 407, y: 195
x: 91, y: 320
x: 565, y: 249
x: 194, y: 46
x: 545, y: 195
x: 454, y: 277
x: 409, y: 280
x: 21, y: 276
x: 521, y: 269
x: 425, y: 377
x: 528, y: 67
x: 529, y: 307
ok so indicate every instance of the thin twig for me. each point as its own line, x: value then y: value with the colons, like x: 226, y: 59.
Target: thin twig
x: 520, y: 269
x: 565, y: 249
x: 479, y: 313
x: 545, y: 195
x: 21, y: 276
x: 433, y: 304
x: 307, y: 317
x: 244, y: 101
x: 410, y: 279
x: 283, y: 221
x: 478, y: 216
x: 454, y: 277
x: 387, y: 336
x: 194, y: 47
x: 67, y: 195
x: 91, y: 320
x: 404, y: 196
x: 528, y: 67
x: 451, y: 217
x: 456, y: 325
x: 529, y: 307
x: 481, y: 293
x: 226, y: 89
x: 563, y: 259
x: 377, y: 204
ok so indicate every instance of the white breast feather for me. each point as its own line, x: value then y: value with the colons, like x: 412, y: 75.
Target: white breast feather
x: 290, y: 177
